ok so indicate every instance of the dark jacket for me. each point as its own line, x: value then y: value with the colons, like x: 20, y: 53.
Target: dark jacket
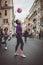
x: 1, y: 33
x: 26, y: 33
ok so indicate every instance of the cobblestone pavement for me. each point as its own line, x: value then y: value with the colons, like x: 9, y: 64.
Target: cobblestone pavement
x: 33, y: 50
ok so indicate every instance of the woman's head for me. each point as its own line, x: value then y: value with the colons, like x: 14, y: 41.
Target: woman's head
x: 18, y: 21
x: 6, y: 28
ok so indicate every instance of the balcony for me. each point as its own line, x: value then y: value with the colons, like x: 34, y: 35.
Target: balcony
x: 7, y: 7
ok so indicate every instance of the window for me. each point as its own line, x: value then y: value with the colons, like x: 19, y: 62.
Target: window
x: 5, y: 3
x: 34, y: 20
x: 28, y: 24
x: 5, y: 21
x: 5, y: 12
x: 35, y: 12
x: 36, y: 1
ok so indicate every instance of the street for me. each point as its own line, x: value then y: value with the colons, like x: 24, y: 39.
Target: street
x: 33, y: 50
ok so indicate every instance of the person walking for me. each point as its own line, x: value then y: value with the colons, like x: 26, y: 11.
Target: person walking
x: 25, y: 35
x: 6, y: 36
x: 19, y: 39
x: 1, y: 35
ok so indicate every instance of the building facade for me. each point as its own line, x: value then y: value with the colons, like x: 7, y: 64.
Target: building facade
x: 26, y: 22
x: 36, y: 16
x: 6, y: 13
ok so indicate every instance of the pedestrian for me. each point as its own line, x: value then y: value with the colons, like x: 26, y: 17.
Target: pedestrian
x: 40, y: 34
x: 6, y: 34
x: 25, y: 35
x: 1, y: 35
x: 19, y: 39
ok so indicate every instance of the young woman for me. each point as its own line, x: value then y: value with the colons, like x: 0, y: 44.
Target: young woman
x: 19, y: 39
x: 6, y: 34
